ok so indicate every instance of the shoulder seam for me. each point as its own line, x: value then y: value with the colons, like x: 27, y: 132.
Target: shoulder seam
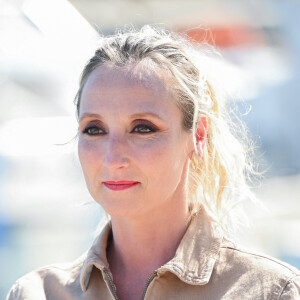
x: 264, y: 256
x: 290, y: 280
x: 63, y: 266
x: 55, y: 267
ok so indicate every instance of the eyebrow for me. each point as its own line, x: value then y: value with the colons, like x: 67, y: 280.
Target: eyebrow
x: 89, y: 115
x: 134, y: 116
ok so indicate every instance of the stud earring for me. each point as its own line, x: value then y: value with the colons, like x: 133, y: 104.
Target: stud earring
x: 196, y: 157
x: 194, y: 161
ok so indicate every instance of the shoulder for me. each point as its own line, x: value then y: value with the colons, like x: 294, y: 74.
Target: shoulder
x: 263, y: 271
x: 50, y: 280
x: 260, y: 262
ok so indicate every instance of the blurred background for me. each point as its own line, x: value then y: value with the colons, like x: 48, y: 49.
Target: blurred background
x: 46, y: 214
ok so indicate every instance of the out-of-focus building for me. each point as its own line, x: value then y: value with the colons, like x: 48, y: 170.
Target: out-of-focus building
x: 43, y: 47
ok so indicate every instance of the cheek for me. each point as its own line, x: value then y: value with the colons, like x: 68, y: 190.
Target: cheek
x: 87, y: 156
x: 162, y: 160
x: 153, y: 151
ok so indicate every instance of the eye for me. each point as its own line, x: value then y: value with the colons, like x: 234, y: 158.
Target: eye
x: 144, y: 128
x: 93, y: 130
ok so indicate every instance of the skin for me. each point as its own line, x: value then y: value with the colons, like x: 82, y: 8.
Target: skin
x: 131, y: 129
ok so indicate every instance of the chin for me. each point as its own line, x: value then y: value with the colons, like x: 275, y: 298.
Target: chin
x: 119, y: 208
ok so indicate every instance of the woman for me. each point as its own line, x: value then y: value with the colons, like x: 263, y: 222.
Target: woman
x: 158, y: 155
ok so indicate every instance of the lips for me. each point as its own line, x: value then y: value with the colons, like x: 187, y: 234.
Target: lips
x: 120, y: 185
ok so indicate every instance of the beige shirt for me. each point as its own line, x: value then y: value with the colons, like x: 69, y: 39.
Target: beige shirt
x: 206, y: 266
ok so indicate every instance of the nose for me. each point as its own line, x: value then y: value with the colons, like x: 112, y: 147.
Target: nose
x: 116, y: 153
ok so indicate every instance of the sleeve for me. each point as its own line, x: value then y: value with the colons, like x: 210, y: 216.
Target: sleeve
x: 15, y: 293
x: 28, y: 287
x: 292, y: 290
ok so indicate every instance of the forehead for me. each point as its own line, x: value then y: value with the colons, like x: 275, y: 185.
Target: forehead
x: 126, y: 89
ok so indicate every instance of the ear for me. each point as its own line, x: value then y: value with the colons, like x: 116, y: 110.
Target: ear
x: 201, y: 133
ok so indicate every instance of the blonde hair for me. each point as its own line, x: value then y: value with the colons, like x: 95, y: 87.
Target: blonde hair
x: 218, y: 177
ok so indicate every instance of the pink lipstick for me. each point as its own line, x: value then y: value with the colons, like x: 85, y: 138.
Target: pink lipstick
x: 119, y: 185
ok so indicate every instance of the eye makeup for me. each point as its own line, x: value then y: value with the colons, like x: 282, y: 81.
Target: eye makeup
x: 138, y: 126
x: 94, y: 128
x: 143, y: 127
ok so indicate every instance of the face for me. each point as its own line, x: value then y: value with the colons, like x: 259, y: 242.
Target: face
x: 132, y: 147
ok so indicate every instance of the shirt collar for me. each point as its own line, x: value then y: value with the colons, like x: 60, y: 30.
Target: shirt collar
x: 96, y: 256
x: 197, y: 252
x: 193, y: 262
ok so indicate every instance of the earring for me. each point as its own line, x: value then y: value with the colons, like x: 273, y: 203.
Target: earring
x: 196, y: 157
x: 194, y: 160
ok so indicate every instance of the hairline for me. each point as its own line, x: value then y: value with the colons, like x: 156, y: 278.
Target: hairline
x: 147, y: 64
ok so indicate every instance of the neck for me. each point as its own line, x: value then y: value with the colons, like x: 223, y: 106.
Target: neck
x: 144, y: 244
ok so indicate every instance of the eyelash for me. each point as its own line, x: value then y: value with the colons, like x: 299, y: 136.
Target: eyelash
x: 148, y: 127
x: 88, y: 129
